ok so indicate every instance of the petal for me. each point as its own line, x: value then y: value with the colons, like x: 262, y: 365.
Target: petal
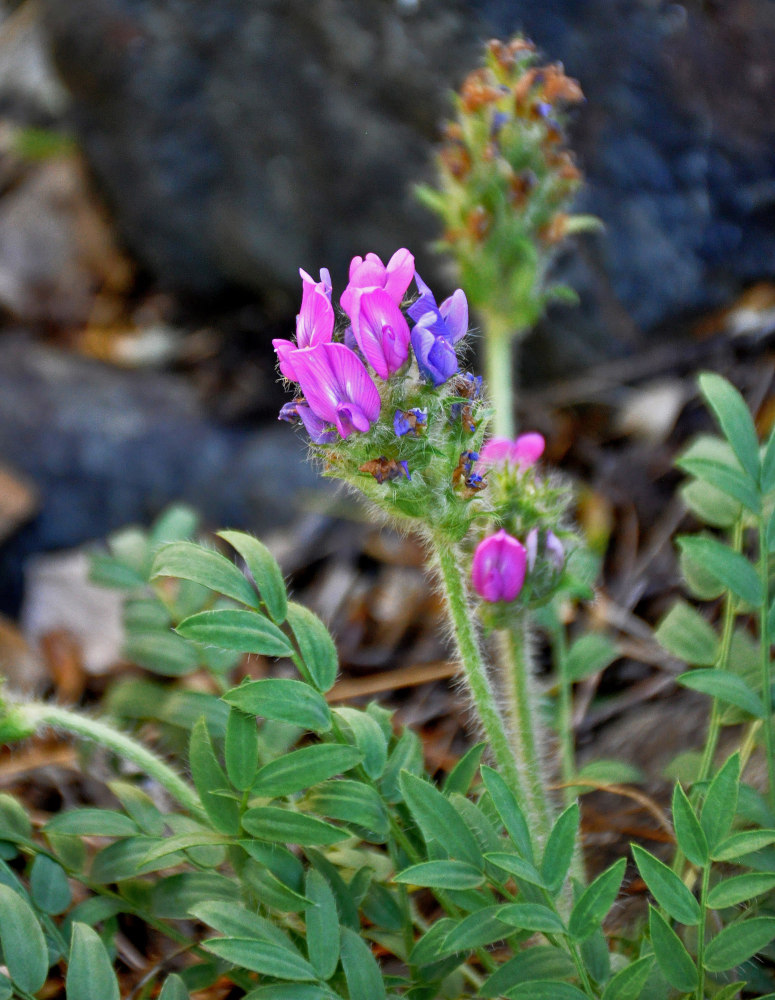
x: 400, y: 271
x: 382, y: 332
x: 527, y: 449
x: 498, y: 567
x: 496, y: 450
x: 317, y: 382
x: 283, y: 349
x: 315, y: 322
x: 315, y: 427
x: 425, y: 303
x: 355, y: 263
x: 353, y: 382
x: 454, y: 312
x: 436, y: 357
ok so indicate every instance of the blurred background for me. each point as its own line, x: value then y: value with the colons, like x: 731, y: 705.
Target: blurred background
x: 166, y: 166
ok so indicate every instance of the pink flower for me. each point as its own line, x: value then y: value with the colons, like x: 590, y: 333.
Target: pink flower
x: 370, y: 272
x: 314, y: 324
x: 498, y: 568
x: 382, y: 332
x: 336, y: 387
x: 523, y: 452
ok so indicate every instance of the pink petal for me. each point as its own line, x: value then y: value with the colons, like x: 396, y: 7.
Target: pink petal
x: 382, y: 332
x: 315, y: 322
x: 283, y: 349
x: 314, y: 376
x: 495, y: 450
x: 527, y: 449
x: 400, y: 271
x: 498, y: 567
x: 354, y: 382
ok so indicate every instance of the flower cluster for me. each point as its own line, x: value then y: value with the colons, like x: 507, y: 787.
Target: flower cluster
x: 383, y: 374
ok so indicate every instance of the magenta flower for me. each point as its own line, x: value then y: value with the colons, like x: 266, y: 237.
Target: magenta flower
x: 337, y: 388
x: 382, y: 333
x: 498, y: 568
x: 523, y: 452
x: 370, y: 272
x: 314, y: 324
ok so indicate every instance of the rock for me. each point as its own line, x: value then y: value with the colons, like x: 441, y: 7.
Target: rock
x: 239, y: 139
x: 105, y: 448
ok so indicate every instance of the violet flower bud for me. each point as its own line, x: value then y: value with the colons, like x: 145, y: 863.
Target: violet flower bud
x: 450, y: 319
x: 498, y: 568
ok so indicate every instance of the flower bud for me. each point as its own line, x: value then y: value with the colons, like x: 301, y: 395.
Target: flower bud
x: 498, y: 568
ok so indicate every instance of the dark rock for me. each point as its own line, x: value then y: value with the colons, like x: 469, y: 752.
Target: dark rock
x: 239, y: 139
x: 104, y: 448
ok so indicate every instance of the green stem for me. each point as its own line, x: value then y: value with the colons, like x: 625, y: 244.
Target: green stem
x: 701, y: 933
x: 499, y: 369
x: 714, y: 725
x: 765, y: 655
x: 469, y: 650
x: 524, y: 727
x: 37, y: 714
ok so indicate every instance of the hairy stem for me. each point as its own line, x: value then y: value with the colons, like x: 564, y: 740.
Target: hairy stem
x: 469, y: 650
x: 499, y: 375
x: 38, y: 714
x: 525, y: 733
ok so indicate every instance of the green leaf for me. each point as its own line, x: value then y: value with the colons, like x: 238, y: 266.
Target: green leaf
x: 237, y: 629
x: 241, y: 749
x: 684, y: 633
x: 667, y: 888
x: 24, y: 948
x: 609, y: 772
x: 735, y: 420
x: 516, y: 866
x: 729, y: 480
x: 368, y: 737
x: 559, y: 849
x: 441, y: 875
x: 720, y: 805
x: 540, y: 962
x: 184, y: 842
x: 90, y: 974
x: 14, y: 821
x: 355, y: 804
x: 174, y: 989
x: 92, y: 822
x: 140, y: 807
x: 188, y: 561
x: 736, y: 943
x: 322, y: 920
x: 304, y: 768
x: 740, y: 889
x: 438, y: 820
x: 595, y: 902
x: 406, y: 755
x: 589, y: 655
x: 770, y: 535
x: 510, y: 812
x: 363, y: 976
x: 731, y: 569
x: 463, y: 773
x: 233, y: 920
x: 271, y: 890
x: 209, y: 779
x: 700, y: 582
x: 6, y: 988
x: 482, y: 927
x: 768, y: 464
x: 49, y: 887
x: 673, y: 959
x: 738, y: 845
x: 265, y: 957
x: 263, y: 567
x: 315, y: 645
x: 628, y: 983
x: 689, y: 834
x: 163, y: 653
x: 709, y: 505
x: 282, y: 826
x: 531, y: 917
x: 726, y: 686
x: 544, y: 989
x: 301, y: 991
x: 282, y: 699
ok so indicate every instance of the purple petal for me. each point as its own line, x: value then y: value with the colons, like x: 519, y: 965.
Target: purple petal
x: 531, y: 547
x: 426, y: 302
x: 498, y: 567
x: 315, y: 427
x: 436, y: 357
x: 382, y: 332
x: 454, y: 312
x: 555, y: 551
x: 354, y: 382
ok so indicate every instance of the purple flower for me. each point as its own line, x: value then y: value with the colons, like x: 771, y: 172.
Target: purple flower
x: 449, y: 320
x: 498, y: 568
x: 435, y: 355
x: 369, y: 272
x: 314, y: 324
x: 382, y: 333
x: 555, y: 551
x: 523, y: 452
x: 408, y: 421
x: 531, y: 548
x: 337, y: 388
x: 298, y: 411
